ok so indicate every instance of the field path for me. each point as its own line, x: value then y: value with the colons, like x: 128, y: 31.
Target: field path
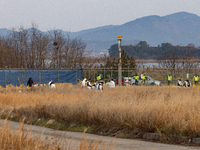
x: 119, y: 144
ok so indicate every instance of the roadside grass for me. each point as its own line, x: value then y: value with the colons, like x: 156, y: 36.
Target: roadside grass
x: 123, y: 112
x: 61, y: 126
x: 21, y: 140
x: 24, y: 139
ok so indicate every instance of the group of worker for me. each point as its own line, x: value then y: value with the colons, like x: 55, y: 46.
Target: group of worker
x: 111, y: 83
x: 186, y: 83
x: 31, y: 83
x: 143, y: 77
x: 98, y: 84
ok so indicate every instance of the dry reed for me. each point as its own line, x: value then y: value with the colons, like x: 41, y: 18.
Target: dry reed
x: 148, y: 109
x: 25, y: 139
x: 22, y: 139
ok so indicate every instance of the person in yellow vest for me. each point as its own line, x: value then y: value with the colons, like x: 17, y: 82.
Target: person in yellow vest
x: 136, y: 79
x: 143, y: 79
x: 169, y: 78
x: 98, y: 77
x: 196, y: 79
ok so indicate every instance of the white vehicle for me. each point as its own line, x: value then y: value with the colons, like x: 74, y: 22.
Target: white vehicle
x: 148, y: 81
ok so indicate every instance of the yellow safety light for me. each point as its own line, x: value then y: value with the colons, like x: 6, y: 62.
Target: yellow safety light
x: 120, y: 36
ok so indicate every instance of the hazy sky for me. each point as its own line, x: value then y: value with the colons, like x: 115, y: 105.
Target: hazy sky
x: 76, y: 15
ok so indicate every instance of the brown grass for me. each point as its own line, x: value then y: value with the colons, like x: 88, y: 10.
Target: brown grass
x: 147, y: 109
x: 23, y: 139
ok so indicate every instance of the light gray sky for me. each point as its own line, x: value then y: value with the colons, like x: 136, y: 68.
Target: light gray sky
x: 76, y: 15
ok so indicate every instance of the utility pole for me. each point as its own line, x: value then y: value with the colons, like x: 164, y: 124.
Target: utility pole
x: 120, y: 63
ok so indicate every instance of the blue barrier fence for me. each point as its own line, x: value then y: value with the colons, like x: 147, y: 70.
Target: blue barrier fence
x: 19, y: 76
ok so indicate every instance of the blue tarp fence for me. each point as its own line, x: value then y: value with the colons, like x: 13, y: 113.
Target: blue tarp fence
x: 19, y: 76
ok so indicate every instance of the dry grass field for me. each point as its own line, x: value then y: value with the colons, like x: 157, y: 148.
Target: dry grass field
x: 122, y: 111
x: 20, y: 139
x: 25, y: 139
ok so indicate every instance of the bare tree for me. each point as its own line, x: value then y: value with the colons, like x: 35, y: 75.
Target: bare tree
x: 188, y: 62
x: 18, y: 40
x: 170, y: 58
x: 58, y: 42
x: 31, y: 48
x: 42, y: 50
x: 66, y: 52
x: 13, y: 37
x: 76, y: 53
x: 3, y: 53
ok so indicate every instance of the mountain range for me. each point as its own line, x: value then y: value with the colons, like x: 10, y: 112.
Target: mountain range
x: 179, y: 28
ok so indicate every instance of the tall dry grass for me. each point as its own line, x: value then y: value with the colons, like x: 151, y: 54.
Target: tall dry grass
x: 147, y: 109
x: 25, y: 139
x: 21, y: 139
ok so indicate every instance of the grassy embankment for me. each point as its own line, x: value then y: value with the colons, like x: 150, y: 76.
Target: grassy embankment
x: 124, y: 113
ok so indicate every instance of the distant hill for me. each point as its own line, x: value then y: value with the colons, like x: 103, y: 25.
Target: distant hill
x: 178, y: 29
x: 4, y: 32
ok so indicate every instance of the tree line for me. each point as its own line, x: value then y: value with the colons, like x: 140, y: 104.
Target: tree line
x: 31, y: 48
x: 167, y: 55
x: 143, y: 51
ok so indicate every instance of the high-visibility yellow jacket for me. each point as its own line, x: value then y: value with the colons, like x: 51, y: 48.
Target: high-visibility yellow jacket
x: 143, y: 78
x: 98, y: 78
x: 196, y: 78
x: 137, y: 78
x: 169, y: 78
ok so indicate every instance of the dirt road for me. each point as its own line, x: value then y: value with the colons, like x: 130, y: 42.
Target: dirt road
x: 119, y: 144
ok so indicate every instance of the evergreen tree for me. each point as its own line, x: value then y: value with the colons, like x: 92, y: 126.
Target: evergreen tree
x: 125, y: 59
